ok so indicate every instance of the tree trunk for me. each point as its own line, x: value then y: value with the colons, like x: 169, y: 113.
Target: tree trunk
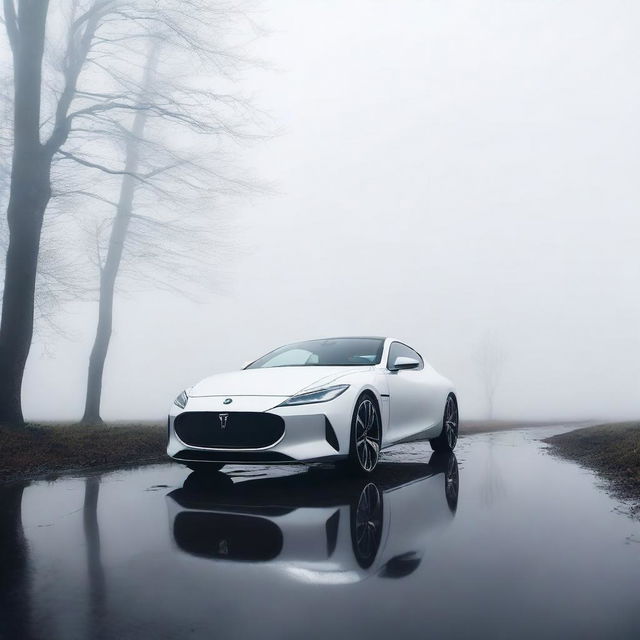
x: 109, y: 271
x: 108, y: 276
x: 29, y: 195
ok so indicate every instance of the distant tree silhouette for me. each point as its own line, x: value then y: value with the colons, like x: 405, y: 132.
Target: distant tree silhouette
x: 489, y: 359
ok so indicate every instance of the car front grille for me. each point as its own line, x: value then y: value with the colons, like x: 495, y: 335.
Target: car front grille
x: 232, y: 430
x: 227, y: 536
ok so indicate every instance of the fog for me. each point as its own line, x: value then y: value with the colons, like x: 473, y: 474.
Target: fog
x: 454, y: 174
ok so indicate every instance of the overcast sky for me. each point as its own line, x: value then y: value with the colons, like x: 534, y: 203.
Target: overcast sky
x: 444, y: 171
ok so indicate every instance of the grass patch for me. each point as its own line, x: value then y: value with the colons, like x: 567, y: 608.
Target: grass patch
x: 612, y: 450
x: 47, y: 450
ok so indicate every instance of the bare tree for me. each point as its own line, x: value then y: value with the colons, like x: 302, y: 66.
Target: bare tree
x: 88, y: 121
x: 30, y: 188
x: 164, y: 178
x: 489, y: 360
x: 30, y: 191
x: 119, y: 228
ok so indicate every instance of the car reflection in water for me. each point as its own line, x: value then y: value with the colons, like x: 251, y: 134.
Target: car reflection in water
x: 316, y: 526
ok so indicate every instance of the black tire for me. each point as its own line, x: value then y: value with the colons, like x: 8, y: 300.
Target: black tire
x: 205, y: 467
x: 446, y: 463
x: 366, y: 436
x: 448, y: 438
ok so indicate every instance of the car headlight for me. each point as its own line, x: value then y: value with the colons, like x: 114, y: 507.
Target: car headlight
x: 181, y: 400
x: 318, y: 395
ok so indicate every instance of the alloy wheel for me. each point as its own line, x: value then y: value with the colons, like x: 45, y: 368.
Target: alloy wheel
x: 367, y: 432
x: 452, y: 482
x: 367, y: 531
x: 451, y: 422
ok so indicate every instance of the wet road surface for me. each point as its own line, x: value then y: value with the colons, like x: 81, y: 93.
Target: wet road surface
x: 504, y: 542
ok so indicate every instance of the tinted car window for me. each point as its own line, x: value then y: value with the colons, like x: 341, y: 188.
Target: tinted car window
x: 324, y: 353
x: 291, y: 358
x: 399, y: 349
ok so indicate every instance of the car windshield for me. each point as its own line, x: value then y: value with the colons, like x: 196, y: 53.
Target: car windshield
x: 334, y: 352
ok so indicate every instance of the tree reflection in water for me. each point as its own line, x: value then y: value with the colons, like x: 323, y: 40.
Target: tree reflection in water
x: 15, y: 600
x: 97, y: 589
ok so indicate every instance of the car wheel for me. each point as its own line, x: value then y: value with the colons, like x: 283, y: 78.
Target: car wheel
x: 448, y: 438
x: 366, y: 436
x: 452, y: 483
x: 366, y: 524
x: 205, y: 467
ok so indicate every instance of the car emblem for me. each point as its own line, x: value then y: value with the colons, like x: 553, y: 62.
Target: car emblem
x: 227, y: 401
x: 223, y: 420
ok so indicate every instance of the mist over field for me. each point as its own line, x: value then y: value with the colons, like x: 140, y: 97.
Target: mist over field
x: 462, y: 176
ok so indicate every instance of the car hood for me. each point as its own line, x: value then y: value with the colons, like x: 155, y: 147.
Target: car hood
x: 275, y: 381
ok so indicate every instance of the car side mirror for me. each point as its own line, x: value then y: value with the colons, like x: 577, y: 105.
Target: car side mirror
x: 404, y: 362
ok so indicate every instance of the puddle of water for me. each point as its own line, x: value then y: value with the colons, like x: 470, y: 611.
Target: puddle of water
x: 530, y: 548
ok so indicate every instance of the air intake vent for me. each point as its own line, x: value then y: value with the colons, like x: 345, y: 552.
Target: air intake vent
x: 330, y: 434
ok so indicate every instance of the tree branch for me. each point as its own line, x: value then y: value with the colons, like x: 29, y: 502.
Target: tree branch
x: 102, y: 96
x: 100, y: 167
x: 88, y: 194
x: 75, y: 58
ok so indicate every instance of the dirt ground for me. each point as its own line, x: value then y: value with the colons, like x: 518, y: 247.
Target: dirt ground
x: 612, y: 450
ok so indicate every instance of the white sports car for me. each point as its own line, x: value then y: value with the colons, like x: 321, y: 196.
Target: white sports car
x: 336, y: 399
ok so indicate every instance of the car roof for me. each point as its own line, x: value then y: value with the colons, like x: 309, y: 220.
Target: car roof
x: 352, y: 338
x: 339, y: 338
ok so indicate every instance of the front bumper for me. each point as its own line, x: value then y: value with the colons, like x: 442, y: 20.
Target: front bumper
x: 312, y: 433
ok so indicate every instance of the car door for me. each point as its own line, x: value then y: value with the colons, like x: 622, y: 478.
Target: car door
x: 411, y: 403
